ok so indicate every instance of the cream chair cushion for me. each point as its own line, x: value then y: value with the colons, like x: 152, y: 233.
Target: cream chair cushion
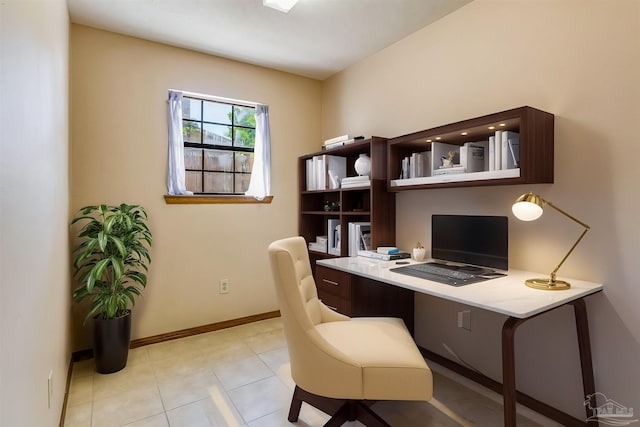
x: 391, y: 364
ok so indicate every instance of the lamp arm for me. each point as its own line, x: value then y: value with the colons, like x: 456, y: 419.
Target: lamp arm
x: 566, y: 214
x: 586, y: 228
x: 553, y: 273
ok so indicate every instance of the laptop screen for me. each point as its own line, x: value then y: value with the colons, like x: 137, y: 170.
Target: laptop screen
x: 471, y: 239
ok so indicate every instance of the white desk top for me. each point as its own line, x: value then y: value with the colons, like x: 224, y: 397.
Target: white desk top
x: 507, y: 295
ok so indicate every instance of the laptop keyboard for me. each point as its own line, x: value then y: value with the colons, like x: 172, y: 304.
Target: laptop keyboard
x: 442, y: 273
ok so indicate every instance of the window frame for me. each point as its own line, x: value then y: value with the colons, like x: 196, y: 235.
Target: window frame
x: 233, y: 149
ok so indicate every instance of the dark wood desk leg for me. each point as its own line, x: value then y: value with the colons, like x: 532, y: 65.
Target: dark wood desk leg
x: 584, y: 346
x: 509, y: 370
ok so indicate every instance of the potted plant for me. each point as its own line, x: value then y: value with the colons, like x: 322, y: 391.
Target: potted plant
x: 110, y: 264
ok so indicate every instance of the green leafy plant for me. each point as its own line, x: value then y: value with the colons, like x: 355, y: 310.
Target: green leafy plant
x: 110, y: 262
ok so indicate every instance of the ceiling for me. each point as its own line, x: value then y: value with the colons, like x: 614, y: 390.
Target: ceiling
x: 316, y: 38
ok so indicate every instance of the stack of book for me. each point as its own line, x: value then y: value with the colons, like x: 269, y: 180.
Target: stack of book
x: 385, y: 253
x: 339, y: 141
x: 355, y: 181
x: 324, y: 172
x: 320, y: 245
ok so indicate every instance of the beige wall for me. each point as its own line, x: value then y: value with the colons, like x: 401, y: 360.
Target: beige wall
x: 579, y: 60
x: 34, y: 203
x: 119, y: 154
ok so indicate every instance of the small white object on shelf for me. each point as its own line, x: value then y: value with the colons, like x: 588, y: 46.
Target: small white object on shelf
x: 363, y: 165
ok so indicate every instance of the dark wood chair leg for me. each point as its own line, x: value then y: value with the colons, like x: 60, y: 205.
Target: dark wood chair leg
x: 340, y: 417
x: 296, y: 404
x: 369, y: 418
x: 340, y: 410
x: 356, y: 410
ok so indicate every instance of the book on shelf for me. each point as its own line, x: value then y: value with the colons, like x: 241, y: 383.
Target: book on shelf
x: 510, y: 149
x: 320, y: 245
x: 338, y: 139
x: 455, y: 169
x: 355, y: 181
x: 337, y: 144
x: 357, y: 185
x: 472, y: 157
x: 333, y: 231
x: 365, y: 238
x: 416, y: 165
x: 355, y: 240
x: 498, y: 150
x: 492, y: 153
x: 325, y: 171
x: 383, y: 257
x: 357, y: 178
x: 387, y: 250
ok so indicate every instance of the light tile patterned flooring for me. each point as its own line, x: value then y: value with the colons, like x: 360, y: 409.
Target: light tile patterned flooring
x: 241, y: 377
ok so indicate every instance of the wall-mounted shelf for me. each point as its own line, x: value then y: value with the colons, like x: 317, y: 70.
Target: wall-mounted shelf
x: 535, y: 129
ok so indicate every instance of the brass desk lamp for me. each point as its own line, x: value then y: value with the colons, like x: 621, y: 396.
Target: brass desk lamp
x: 528, y: 207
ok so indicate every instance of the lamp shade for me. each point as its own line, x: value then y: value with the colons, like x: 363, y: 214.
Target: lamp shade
x: 528, y: 207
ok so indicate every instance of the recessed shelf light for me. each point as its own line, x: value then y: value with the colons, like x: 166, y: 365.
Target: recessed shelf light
x: 437, y: 137
x: 464, y: 133
x: 492, y: 127
x: 429, y: 140
x: 503, y: 124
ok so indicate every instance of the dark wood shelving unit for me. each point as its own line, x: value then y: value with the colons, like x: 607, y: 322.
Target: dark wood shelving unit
x: 376, y: 203
x: 536, y: 149
x: 373, y: 204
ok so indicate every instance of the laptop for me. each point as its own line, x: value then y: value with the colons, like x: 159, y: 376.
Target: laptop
x: 465, y: 248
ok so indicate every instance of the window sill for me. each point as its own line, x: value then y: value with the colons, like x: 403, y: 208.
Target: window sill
x: 212, y: 200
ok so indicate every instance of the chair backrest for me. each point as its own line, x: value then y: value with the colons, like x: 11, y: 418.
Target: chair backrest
x: 316, y: 366
x: 294, y: 281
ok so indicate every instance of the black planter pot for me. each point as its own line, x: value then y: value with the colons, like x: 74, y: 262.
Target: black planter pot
x: 111, y: 343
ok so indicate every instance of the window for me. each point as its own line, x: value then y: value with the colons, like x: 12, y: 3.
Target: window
x: 219, y: 142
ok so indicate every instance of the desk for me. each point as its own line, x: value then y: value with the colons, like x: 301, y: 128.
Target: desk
x: 507, y: 295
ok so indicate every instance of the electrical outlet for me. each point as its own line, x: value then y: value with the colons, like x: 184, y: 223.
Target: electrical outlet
x: 464, y: 319
x: 50, y: 389
x: 224, y: 286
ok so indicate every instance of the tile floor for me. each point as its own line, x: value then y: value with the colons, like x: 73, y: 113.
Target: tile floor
x: 240, y: 377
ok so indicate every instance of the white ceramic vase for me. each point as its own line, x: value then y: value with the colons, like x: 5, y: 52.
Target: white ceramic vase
x: 419, y: 254
x: 363, y: 165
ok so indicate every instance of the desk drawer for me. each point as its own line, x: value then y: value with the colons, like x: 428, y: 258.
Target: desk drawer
x: 336, y: 303
x: 334, y: 282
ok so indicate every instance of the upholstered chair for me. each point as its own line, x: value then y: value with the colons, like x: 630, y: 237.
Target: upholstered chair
x: 341, y: 365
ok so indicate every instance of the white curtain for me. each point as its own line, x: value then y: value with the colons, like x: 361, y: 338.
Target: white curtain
x: 260, y: 184
x: 175, y: 175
